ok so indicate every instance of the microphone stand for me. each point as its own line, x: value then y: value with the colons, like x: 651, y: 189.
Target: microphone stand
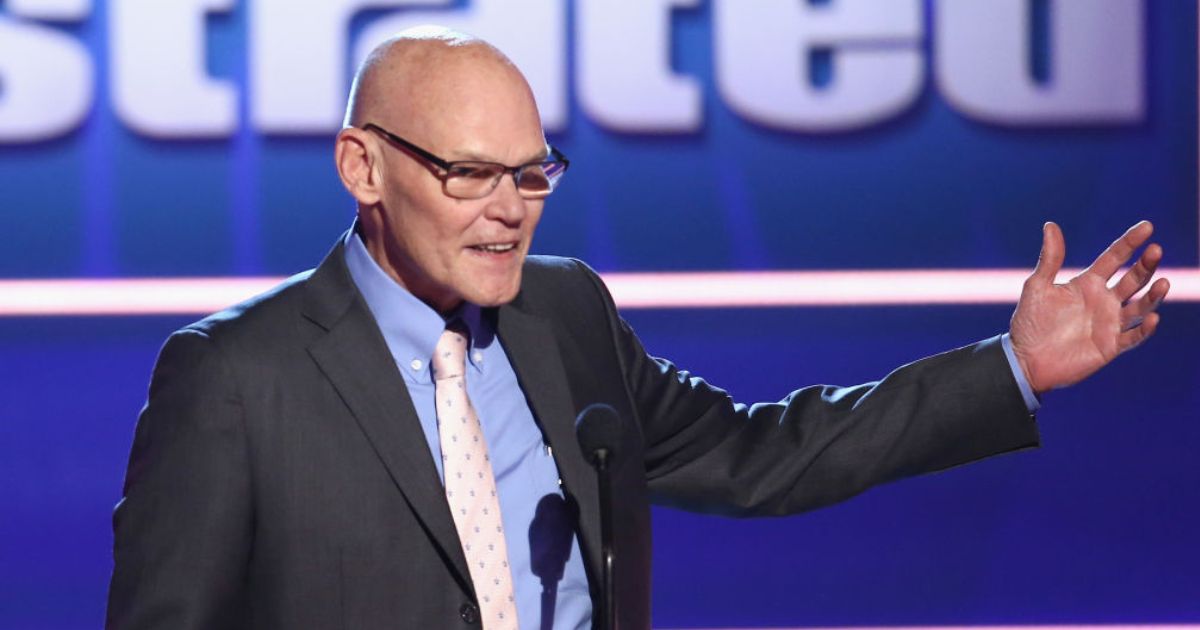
x: 609, y: 615
x: 598, y: 429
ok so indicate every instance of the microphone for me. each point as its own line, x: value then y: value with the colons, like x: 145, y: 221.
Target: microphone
x: 598, y: 428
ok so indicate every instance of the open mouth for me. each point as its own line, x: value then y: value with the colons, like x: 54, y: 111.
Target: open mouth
x: 494, y: 248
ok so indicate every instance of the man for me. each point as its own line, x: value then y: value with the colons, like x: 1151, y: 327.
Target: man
x: 388, y: 441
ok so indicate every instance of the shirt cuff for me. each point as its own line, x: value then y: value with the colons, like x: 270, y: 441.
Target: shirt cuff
x: 1031, y: 399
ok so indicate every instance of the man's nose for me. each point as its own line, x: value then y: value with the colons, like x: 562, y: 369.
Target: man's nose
x: 506, y: 203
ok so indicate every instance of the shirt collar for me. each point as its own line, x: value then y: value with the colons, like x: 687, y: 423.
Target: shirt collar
x: 410, y: 327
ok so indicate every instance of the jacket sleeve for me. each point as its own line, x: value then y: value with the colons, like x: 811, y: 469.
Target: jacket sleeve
x: 182, y: 532
x: 820, y: 444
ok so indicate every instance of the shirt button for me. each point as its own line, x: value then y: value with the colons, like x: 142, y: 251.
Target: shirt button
x: 478, y: 357
x: 469, y: 613
x: 416, y: 365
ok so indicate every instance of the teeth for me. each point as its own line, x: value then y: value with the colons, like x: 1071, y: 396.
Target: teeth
x: 496, y: 249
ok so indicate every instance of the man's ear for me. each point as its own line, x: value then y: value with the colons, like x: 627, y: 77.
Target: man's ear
x: 356, y: 165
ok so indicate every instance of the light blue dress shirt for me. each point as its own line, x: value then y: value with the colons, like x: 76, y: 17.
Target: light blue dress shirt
x: 541, y: 539
x: 1031, y: 400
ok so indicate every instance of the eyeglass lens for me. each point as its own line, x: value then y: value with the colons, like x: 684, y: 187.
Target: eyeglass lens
x: 478, y: 179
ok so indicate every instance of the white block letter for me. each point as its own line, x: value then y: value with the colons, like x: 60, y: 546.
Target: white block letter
x: 624, y: 75
x: 298, y: 66
x: 1095, y: 69
x: 159, y: 83
x: 762, y: 61
x: 47, y: 82
x: 52, y: 10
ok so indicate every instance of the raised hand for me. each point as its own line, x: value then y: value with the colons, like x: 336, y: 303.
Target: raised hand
x: 1062, y: 333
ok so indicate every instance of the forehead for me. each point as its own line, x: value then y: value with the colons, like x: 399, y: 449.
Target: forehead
x: 466, y: 103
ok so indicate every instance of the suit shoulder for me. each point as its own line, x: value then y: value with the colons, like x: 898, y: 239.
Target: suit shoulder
x: 263, y: 316
x: 543, y: 266
x: 557, y: 272
x: 565, y: 285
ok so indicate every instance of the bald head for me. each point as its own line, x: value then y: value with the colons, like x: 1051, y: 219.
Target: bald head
x: 425, y: 70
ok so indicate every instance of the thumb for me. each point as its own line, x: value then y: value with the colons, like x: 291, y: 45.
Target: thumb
x: 1051, y: 258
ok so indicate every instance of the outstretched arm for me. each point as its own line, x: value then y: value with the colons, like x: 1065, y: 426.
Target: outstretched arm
x: 1063, y: 333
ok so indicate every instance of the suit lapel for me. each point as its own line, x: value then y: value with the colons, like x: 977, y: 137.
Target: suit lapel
x: 534, y: 353
x: 354, y: 357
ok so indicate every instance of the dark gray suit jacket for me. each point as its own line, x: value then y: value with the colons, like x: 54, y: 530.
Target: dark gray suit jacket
x: 279, y: 477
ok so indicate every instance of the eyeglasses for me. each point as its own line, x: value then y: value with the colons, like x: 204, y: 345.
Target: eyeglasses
x: 471, y: 179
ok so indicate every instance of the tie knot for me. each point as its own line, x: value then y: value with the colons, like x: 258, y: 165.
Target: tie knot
x: 450, y: 354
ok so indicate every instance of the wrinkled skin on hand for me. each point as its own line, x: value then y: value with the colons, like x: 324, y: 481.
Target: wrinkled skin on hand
x: 1063, y: 333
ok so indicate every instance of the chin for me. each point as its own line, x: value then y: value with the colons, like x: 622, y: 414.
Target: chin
x: 496, y: 296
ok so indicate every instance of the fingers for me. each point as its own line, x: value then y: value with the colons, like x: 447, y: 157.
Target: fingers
x: 1134, y: 313
x: 1111, y: 259
x: 1051, y: 258
x: 1130, y: 339
x: 1139, y: 274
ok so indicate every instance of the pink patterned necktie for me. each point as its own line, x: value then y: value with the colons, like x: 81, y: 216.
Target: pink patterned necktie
x: 470, y: 484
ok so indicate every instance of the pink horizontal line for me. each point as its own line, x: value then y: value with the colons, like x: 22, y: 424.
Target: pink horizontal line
x: 1044, y: 627
x: 641, y: 290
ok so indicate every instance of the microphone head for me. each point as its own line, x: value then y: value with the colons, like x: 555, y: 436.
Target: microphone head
x: 598, y: 427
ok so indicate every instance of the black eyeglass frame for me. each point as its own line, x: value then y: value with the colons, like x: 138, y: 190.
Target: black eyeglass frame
x: 447, y: 166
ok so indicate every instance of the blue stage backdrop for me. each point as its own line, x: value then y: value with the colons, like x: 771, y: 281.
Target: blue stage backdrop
x: 170, y: 140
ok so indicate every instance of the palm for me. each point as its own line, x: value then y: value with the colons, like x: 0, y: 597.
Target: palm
x: 1062, y: 333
